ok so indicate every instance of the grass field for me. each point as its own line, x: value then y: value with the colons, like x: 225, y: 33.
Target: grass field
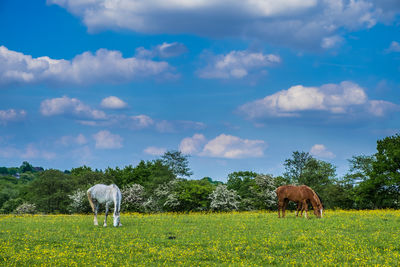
x: 248, y: 239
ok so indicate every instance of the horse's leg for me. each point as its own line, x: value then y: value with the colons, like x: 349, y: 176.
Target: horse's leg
x: 280, y: 205
x: 302, y: 209
x: 96, y: 208
x: 105, y: 220
x: 285, y: 203
x: 299, y: 207
x: 116, y: 211
x: 305, y: 207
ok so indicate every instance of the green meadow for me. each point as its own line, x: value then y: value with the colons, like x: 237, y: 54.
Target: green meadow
x: 203, y: 239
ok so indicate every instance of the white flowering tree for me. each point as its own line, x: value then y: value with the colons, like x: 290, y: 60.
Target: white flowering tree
x: 79, y: 202
x: 224, y: 199
x: 265, y: 190
x: 163, y: 198
x: 133, y: 197
x: 25, y: 208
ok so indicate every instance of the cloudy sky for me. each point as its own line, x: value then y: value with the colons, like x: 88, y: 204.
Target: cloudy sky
x: 235, y: 84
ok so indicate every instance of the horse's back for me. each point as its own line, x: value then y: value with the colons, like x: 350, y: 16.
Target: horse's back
x: 284, y: 190
x: 292, y: 192
x: 307, y: 191
x: 101, y: 192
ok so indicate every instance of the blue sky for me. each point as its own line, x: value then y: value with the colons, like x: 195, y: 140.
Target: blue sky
x: 237, y: 85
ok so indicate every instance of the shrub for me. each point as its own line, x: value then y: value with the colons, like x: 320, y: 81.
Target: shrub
x: 25, y: 208
x: 224, y: 199
x: 79, y: 202
x: 133, y: 197
x: 265, y: 191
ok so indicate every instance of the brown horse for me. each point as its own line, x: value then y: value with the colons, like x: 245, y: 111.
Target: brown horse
x: 300, y: 207
x: 301, y: 195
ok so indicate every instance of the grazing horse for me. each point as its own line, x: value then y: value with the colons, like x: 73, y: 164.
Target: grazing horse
x: 107, y: 194
x: 301, y: 208
x: 299, y: 194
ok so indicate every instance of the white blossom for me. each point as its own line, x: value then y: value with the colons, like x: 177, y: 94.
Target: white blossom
x: 79, y: 201
x: 26, y: 208
x: 133, y: 197
x: 224, y: 199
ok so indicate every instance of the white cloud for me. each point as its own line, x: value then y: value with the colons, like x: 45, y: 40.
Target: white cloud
x: 380, y: 108
x: 141, y: 121
x: 344, y: 98
x: 223, y: 146
x: 113, y: 102
x: 155, y: 151
x: 394, y: 47
x: 68, y: 140
x: 70, y: 106
x: 106, y: 140
x: 29, y: 152
x: 321, y: 151
x: 228, y: 146
x: 237, y: 65
x: 165, y: 126
x: 331, y: 41
x: 164, y: 50
x: 85, y: 115
x: 11, y: 115
x: 303, y: 23
x: 32, y: 152
x: 86, y: 68
x: 82, y: 155
x: 192, y: 145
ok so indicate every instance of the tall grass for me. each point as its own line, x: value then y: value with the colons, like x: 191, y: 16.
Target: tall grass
x: 196, y: 239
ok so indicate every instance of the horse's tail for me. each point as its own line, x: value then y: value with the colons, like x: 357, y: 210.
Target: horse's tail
x: 89, y: 194
x: 118, y: 198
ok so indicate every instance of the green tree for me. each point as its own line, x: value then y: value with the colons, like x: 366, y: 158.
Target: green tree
x: 12, y: 188
x: 339, y: 194
x: 177, y: 162
x: 242, y: 182
x: 26, y: 167
x: 318, y: 174
x: 355, y: 188
x: 382, y: 188
x: 84, y: 177
x: 295, y: 166
x: 49, y: 192
x: 360, y: 169
x: 3, y: 170
x: 149, y: 174
x: 10, y: 205
x: 194, y: 194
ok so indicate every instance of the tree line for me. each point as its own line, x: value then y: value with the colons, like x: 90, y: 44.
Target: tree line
x: 162, y: 185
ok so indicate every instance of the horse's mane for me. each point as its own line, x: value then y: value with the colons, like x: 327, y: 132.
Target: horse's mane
x: 320, y: 199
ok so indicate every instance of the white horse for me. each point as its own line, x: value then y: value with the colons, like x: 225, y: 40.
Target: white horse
x: 107, y: 194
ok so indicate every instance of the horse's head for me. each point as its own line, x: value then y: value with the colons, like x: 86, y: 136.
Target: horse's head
x: 318, y: 211
x: 117, y: 221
